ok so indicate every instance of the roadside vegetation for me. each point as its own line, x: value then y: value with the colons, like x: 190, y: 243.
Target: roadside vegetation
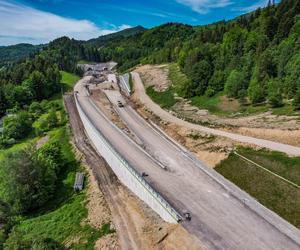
x: 38, y: 207
x: 177, y: 78
x: 68, y: 80
x: 131, y: 82
x: 165, y: 99
x: 219, y: 104
x: 271, y: 191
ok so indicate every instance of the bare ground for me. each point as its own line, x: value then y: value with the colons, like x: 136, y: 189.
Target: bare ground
x: 155, y: 75
x: 42, y: 141
x: 137, y: 226
x: 281, y: 128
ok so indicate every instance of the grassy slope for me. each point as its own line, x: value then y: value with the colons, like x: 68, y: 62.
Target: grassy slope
x: 68, y: 80
x: 61, y: 218
x: 272, y: 192
x: 164, y: 99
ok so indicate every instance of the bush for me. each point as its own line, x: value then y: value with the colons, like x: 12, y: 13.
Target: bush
x: 296, y: 101
x: 210, y: 92
x: 275, y: 99
x: 234, y: 83
x: 29, y: 176
x: 256, y: 92
x: 275, y: 93
x: 17, y: 126
x: 46, y: 122
x: 36, y: 109
x: 16, y: 241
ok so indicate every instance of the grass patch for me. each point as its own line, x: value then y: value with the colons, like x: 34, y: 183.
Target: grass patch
x: 16, y: 147
x: 272, y: 192
x: 85, y: 62
x: 177, y: 78
x: 130, y: 82
x: 68, y: 80
x: 287, y: 109
x: 209, y: 103
x: 63, y: 225
x: 165, y: 99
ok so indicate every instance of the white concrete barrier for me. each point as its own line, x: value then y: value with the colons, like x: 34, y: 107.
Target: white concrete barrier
x: 126, y: 174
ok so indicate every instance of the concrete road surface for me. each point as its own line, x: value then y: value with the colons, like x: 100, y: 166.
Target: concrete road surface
x: 165, y: 115
x: 220, y: 219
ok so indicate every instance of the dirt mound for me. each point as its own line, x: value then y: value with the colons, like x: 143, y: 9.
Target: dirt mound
x: 156, y: 76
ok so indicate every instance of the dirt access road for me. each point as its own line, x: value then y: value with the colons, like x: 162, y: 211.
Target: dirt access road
x: 219, y: 219
x: 156, y: 109
x: 107, y: 180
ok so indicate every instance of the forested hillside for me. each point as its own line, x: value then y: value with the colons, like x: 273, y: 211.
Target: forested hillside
x: 38, y: 77
x: 255, y: 57
x: 13, y: 53
x: 102, y: 40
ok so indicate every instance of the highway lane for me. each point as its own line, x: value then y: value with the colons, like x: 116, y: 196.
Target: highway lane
x: 219, y: 220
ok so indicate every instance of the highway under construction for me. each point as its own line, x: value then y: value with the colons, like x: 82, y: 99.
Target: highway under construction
x: 219, y: 213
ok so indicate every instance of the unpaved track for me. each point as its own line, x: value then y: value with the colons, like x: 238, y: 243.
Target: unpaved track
x: 219, y: 218
x: 157, y: 110
x: 128, y: 238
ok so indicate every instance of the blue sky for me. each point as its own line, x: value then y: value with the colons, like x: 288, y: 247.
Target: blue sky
x: 40, y: 21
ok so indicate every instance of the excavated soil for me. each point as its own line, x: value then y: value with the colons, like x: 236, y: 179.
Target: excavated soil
x: 266, y: 125
x: 155, y: 75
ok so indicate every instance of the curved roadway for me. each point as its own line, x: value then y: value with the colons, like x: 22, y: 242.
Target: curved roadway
x: 219, y: 219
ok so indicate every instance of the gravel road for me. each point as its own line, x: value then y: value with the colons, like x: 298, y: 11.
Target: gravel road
x: 165, y: 115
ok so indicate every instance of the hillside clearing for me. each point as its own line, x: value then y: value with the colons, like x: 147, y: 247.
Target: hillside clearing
x: 269, y: 190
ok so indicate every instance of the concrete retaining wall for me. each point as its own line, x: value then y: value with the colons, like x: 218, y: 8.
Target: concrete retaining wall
x: 126, y: 174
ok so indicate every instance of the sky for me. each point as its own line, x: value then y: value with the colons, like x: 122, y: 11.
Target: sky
x: 40, y: 21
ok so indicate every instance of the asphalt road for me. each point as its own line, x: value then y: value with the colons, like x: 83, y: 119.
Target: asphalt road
x: 219, y: 219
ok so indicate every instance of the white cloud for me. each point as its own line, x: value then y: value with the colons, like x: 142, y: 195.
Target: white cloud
x: 204, y: 6
x: 252, y: 7
x: 20, y: 23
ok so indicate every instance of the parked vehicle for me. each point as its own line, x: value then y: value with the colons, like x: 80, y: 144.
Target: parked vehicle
x: 120, y: 104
